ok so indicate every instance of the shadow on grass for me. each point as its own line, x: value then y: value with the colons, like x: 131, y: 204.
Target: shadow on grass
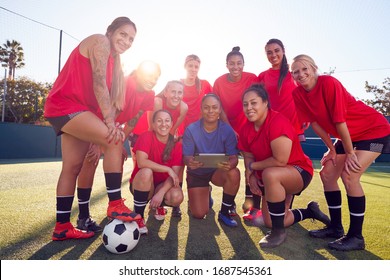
x: 298, y: 241
x: 202, y: 243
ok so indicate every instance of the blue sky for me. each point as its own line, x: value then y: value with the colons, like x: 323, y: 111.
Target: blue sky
x: 350, y: 36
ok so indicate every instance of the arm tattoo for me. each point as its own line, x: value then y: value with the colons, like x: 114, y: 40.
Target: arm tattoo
x: 98, y: 55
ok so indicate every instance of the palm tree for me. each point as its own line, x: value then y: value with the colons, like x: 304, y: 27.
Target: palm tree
x: 12, y: 56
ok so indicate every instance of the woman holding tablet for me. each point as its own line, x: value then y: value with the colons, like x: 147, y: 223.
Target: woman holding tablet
x: 211, y: 135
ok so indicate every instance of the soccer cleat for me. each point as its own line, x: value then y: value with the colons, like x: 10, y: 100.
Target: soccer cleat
x: 118, y: 210
x: 176, y: 212
x: 160, y: 213
x: 141, y: 226
x: 327, y: 232
x: 317, y: 214
x: 88, y: 224
x: 273, y: 238
x: 63, y: 231
x: 227, y: 220
x: 347, y: 243
x: 248, y: 216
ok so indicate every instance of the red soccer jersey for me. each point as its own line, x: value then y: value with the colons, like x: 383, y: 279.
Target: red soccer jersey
x: 258, y: 143
x: 230, y: 94
x: 148, y: 143
x: 281, y: 100
x: 135, y: 100
x: 329, y: 103
x: 73, y: 89
x: 193, y: 98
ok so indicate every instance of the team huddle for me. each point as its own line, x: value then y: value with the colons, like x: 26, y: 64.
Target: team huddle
x: 260, y: 118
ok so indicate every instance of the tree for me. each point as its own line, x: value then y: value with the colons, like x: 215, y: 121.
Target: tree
x: 25, y: 100
x: 12, y: 56
x: 381, y: 100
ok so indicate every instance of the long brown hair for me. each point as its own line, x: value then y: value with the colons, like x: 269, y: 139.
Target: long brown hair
x: 118, y: 84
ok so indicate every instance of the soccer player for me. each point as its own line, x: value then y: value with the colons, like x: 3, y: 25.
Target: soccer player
x: 155, y: 178
x: 81, y: 107
x: 275, y: 165
x: 362, y: 134
x: 211, y: 135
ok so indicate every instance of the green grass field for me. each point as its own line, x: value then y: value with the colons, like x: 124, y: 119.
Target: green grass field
x: 27, y: 217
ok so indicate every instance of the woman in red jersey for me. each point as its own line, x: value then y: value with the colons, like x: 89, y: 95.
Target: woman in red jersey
x: 229, y: 87
x: 194, y: 90
x: 171, y: 99
x: 139, y: 98
x: 279, y: 85
x: 362, y: 134
x: 275, y: 165
x: 82, y: 107
x: 155, y: 177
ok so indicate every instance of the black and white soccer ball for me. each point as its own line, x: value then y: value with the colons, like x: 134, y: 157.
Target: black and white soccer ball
x: 120, y: 237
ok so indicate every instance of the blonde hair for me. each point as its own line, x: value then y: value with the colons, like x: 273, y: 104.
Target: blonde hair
x: 306, y: 60
x: 118, y: 83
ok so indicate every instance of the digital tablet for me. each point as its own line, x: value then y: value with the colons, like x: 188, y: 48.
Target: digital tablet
x: 211, y: 160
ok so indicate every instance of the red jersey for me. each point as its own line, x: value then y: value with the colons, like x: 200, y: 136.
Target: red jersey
x: 73, y: 89
x: 230, y: 94
x: 281, y: 100
x: 193, y: 98
x: 135, y: 100
x: 329, y: 103
x: 258, y: 143
x: 148, y: 143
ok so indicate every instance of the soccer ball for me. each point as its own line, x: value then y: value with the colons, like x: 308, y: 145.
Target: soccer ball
x: 120, y: 237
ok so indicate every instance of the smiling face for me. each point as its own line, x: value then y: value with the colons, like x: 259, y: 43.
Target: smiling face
x: 122, y: 38
x: 274, y: 55
x: 174, y: 94
x: 162, y: 124
x: 304, y: 74
x: 255, y: 108
x: 211, y: 109
x: 235, y: 65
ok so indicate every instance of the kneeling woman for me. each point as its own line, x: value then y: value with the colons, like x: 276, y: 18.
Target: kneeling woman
x: 211, y: 135
x: 275, y: 165
x: 155, y: 175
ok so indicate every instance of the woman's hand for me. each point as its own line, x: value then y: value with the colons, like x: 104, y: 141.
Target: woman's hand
x: 115, y: 131
x: 225, y: 165
x: 193, y: 164
x: 174, y: 177
x: 329, y: 155
x: 352, y: 163
x: 156, y: 200
x: 93, y: 154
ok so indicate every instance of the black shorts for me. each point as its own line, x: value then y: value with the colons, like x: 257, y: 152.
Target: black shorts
x: 306, y: 177
x: 378, y: 145
x: 58, y: 122
x: 194, y: 181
